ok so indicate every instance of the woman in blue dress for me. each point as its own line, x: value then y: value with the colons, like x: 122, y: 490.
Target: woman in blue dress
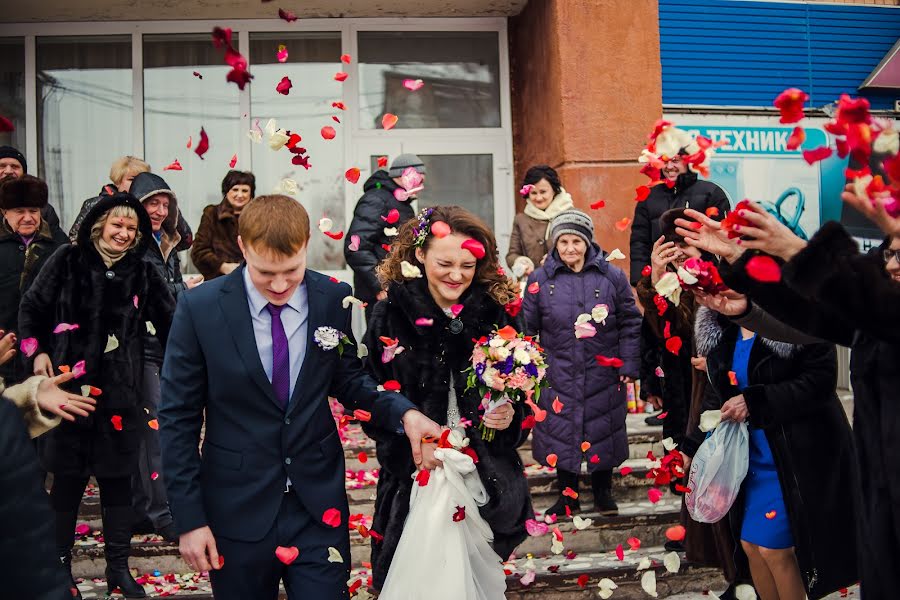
x: 794, y: 515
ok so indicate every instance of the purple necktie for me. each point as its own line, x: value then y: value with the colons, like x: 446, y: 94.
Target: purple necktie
x: 281, y: 362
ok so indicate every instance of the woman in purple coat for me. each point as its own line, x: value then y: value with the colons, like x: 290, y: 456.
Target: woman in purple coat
x: 583, y: 310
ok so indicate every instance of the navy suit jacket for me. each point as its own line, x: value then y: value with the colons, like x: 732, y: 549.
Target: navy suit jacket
x: 251, y: 445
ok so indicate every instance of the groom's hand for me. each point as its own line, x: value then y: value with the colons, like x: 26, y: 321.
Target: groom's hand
x: 198, y: 549
x: 417, y: 426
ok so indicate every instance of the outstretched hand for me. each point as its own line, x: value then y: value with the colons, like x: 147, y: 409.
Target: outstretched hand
x: 52, y: 399
x: 418, y: 426
x: 767, y: 234
x: 707, y: 234
x: 728, y: 303
x: 874, y: 211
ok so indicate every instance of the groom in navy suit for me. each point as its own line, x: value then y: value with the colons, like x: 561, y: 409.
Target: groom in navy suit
x: 258, y: 353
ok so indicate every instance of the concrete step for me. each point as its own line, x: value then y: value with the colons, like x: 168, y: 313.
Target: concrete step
x: 643, y: 520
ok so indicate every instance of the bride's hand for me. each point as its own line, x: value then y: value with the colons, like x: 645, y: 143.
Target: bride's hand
x: 500, y: 418
x: 428, y: 460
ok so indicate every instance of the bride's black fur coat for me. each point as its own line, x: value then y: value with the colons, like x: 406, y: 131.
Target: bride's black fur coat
x: 423, y: 369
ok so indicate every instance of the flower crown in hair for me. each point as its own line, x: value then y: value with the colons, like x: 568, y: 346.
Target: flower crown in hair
x: 422, y: 227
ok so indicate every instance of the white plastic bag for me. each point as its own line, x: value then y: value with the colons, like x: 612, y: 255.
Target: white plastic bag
x: 717, y: 471
x: 440, y: 558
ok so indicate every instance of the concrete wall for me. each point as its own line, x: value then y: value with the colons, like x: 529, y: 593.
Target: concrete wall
x: 585, y: 93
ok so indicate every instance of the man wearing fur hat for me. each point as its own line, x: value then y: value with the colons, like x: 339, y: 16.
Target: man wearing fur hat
x: 12, y: 166
x: 26, y: 242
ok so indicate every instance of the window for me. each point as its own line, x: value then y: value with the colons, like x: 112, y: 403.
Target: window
x: 12, y: 90
x: 465, y: 180
x: 460, y: 72
x: 177, y: 103
x: 84, y: 116
x: 313, y: 59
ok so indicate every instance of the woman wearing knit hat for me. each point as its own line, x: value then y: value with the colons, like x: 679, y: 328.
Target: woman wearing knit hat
x: 583, y: 309
x: 544, y: 199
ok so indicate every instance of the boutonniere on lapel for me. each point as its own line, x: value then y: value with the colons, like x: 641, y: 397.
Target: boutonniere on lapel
x: 329, y: 338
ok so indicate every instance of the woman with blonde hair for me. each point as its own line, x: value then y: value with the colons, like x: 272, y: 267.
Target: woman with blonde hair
x: 444, y: 291
x: 88, y: 310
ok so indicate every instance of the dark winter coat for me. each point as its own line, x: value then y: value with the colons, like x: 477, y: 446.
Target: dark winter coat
x: 19, y: 265
x: 831, y: 291
x: 27, y: 550
x: 184, y: 229
x: 368, y: 224
x: 791, y: 397
x: 424, y: 369
x: 76, y: 287
x: 216, y: 240
x: 678, y: 373
x: 164, y: 253
x: 593, y: 398
x: 688, y: 192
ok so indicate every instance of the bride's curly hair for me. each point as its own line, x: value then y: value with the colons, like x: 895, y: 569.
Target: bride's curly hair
x: 487, y: 271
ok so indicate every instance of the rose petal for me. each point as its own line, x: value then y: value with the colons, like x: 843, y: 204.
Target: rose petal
x: 675, y: 533
x: 413, y: 84
x: 173, y: 166
x: 551, y: 460
x: 328, y: 132
x: 814, y: 156
x: 598, y: 204
x: 763, y: 268
x: 648, y: 583
x: 353, y: 246
x: 623, y: 224
x: 332, y: 517
x: 653, y: 494
x: 475, y: 247
x: 388, y: 121
x: 287, y: 555
x: 284, y: 86
x: 709, y: 420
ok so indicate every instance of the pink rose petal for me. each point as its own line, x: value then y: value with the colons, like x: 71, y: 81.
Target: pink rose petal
x: 353, y: 246
x: 413, y: 84
x: 456, y: 309
x: 65, y: 327
x: 78, y: 370
x: 423, y: 322
x: 28, y: 346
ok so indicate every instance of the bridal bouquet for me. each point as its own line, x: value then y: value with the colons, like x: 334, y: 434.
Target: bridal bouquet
x: 507, y: 366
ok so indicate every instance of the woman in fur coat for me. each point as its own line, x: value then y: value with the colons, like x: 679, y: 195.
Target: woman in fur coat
x: 422, y: 314
x: 794, y: 515
x: 88, y: 309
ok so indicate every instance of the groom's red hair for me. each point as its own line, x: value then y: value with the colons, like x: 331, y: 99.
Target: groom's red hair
x: 276, y: 223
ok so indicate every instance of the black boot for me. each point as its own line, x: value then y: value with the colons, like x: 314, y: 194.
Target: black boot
x: 117, y: 524
x: 65, y: 539
x: 601, y: 484
x: 565, y: 479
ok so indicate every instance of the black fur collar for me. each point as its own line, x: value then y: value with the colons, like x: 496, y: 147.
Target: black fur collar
x: 709, y: 331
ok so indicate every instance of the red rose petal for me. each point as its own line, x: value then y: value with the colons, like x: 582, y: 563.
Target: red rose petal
x: 475, y: 247
x: 382, y: 161
x: 334, y: 235
x: 673, y: 344
x: 232, y: 162
x: 332, y: 517
x: 340, y: 76
x: 328, y: 132
x: 362, y: 415
x: 606, y: 361
x: 116, y: 422
x: 654, y: 495
x: 345, y: 58
x: 287, y: 555
x: 392, y: 385
x: 422, y: 477
x: 797, y: 137
x: 790, y: 103
x: 620, y: 552
x: 763, y: 268
x: 352, y: 174
x: 557, y: 405
x: 173, y: 166
x: 460, y: 514
x: 583, y: 580
x: 392, y: 217
x: 284, y: 86
x: 598, y: 204
x: 712, y: 212
x: 624, y: 471
x: 641, y: 192
x: 551, y: 460
x: 363, y: 457
x: 287, y: 15
x: 203, y: 144
x: 675, y: 533
x: 634, y: 543
x: 814, y: 156
x: 388, y: 121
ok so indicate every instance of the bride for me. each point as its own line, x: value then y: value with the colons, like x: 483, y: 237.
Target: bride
x: 445, y: 290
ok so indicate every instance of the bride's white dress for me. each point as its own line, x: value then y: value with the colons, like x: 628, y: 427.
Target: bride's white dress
x: 440, y: 558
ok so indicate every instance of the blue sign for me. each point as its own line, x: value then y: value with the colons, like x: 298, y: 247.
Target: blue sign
x: 758, y: 141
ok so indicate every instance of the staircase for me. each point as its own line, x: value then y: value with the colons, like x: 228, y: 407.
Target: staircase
x: 534, y: 573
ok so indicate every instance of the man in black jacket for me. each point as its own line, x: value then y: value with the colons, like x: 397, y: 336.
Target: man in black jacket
x: 12, y: 166
x: 370, y: 219
x: 162, y: 205
x: 26, y: 242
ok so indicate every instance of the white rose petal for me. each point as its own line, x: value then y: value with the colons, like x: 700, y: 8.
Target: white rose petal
x: 556, y: 546
x: 582, y: 318
x: 348, y: 300
x: 528, y: 578
x: 709, y: 420
x: 672, y: 562
x: 362, y: 350
x: 334, y: 555
x: 581, y: 523
x: 85, y: 390
x: 150, y: 328
x: 669, y: 444
x: 599, y: 313
x: 744, y: 592
x: 887, y: 142
x: 685, y: 276
x: 669, y: 287
x: 390, y: 231
x: 606, y: 586
x: 112, y: 342
x: 325, y: 224
x: 615, y: 255
x: 287, y: 186
x: 648, y: 583
x: 278, y: 139
x: 271, y: 126
x: 644, y: 564
x: 409, y: 270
